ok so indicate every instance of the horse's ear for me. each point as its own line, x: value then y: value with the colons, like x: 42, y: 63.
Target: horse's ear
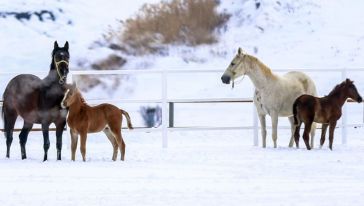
x: 56, y: 45
x: 240, y: 51
x: 74, y: 86
x: 66, y: 46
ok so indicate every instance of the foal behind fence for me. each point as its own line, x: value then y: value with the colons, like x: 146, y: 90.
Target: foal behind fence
x: 325, y: 110
x: 83, y: 119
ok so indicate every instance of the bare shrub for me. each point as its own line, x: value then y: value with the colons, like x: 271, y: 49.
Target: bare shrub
x: 189, y: 22
x: 111, y: 62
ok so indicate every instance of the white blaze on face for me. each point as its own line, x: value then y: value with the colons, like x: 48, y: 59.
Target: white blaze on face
x: 64, y: 98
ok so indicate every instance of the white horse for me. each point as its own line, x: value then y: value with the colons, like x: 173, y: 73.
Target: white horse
x: 274, y: 95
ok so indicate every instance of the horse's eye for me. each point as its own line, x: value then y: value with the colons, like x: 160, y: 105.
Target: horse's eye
x: 232, y: 63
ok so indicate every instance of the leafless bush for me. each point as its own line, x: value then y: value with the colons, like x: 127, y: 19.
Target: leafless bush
x: 189, y: 22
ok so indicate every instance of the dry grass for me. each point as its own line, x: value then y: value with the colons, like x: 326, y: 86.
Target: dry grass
x: 111, y: 62
x: 188, y: 22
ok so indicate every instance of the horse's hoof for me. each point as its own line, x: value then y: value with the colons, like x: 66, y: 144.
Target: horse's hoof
x: 23, y: 157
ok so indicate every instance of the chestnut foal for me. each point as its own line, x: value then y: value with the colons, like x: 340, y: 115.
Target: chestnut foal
x: 83, y: 119
x: 325, y: 110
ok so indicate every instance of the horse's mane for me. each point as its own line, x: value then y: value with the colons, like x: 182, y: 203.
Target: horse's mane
x: 265, y: 69
x: 83, y: 101
x: 337, y: 88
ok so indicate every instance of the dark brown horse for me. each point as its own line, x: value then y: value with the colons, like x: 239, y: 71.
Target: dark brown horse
x: 325, y: 110
x: 83, y: 119
x: 37, y: 101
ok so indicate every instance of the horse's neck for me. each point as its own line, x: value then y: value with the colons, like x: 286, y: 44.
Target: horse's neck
x: 76, y: 107
x: 339, y: 98
x: 261, y: 75
x: 51, y: 77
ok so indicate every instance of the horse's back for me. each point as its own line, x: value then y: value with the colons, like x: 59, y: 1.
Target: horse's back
x: 22, y: 82
x: 303, y: 79
x: 20, y: 92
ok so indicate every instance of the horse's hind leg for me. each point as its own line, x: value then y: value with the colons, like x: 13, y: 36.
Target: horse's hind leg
x: 23, y: 136
x: 119, y: 141
x: 323, y: 134
x: 112, y: 139
x: 9, y: 122
x: 313, y: 132
x: 293, y: 130
x: 297, y: 134
x: 306, y: 134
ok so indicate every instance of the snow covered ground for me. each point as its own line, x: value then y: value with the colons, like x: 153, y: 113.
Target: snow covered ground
x: 198, y: 168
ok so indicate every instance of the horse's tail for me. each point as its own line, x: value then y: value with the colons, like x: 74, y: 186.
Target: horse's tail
x: 130, y: 126
x: 295, y: 105
x: 3, y: 112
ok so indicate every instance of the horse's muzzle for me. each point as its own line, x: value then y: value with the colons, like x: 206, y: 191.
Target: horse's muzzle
x: 360, y: 99
x: 225, y: 79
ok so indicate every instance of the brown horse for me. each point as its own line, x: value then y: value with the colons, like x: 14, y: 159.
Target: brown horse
x: 83, y: 119
x: 325, y: 110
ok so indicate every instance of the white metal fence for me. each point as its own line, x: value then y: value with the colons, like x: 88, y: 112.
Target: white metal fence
x: 167, y: 110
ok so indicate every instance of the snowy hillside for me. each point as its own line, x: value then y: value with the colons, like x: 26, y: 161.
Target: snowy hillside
x: 284, y: 34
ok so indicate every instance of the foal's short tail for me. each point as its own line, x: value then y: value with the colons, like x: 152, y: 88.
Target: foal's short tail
x: 295, y: 105
x: 3, y: 113
x: 130, y: 126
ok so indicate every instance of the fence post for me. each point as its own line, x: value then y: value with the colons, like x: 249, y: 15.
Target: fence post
x: 171, y: 114
x: 344, y: 115
x: 255, y: 126
x: 164, y: 110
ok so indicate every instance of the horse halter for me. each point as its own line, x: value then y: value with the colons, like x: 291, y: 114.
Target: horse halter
x: 233, y: 82
x: 61, y: 78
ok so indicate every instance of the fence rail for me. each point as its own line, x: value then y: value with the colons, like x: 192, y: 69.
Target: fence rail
x: 168, y: 104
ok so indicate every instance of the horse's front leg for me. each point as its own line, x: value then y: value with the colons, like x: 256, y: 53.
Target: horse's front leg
x: 263, y: 129
x: 293, y: 129
x: 83, y: 136
x: 331, y: 133
x: 23, y: 136
x: 274, y: 117
x: 46, y: 144
x: 59, y: 131
x: 74, y: 139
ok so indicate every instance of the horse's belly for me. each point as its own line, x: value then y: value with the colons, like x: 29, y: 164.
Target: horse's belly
x: 96, y: 128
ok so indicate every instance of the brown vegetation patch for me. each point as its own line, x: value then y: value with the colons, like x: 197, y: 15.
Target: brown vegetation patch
x: 188, y: 22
